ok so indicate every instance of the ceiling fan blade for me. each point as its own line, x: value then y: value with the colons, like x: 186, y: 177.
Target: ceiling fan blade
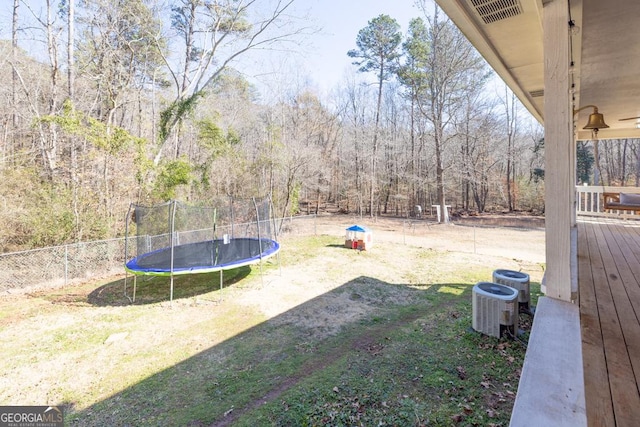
x: 629, y: 118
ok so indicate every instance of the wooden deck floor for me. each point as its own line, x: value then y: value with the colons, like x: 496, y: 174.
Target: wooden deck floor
x: 609, y: 283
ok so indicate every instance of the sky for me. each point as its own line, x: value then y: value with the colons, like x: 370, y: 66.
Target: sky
x: 326, y: 62
x: 323, y: 58
x: 341, y: 21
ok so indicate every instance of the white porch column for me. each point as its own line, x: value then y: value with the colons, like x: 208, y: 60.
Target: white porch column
x: 559, y: 150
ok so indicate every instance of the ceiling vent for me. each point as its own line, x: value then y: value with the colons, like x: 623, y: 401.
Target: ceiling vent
x: 537, y: 93
x: 496, y: 10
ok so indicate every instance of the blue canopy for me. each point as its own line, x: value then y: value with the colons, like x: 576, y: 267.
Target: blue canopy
x: 358, y: 228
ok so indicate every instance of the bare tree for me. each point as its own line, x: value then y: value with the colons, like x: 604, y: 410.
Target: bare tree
x: 226, y: 29
x: 411, y: 75
x: 356, y: 116
x: 14, y: 79
x: 117, y: 52
x: 315, y: 129
x: 451, y: 68
x: 616, y: 161
x: 71, y: 37
x: 477, y: 146
x: 377, y: 51
x: 511, y: 134
x: 47, y: 133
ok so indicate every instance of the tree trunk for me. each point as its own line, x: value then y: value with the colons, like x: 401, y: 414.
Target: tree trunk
x: 623, y: 167
x: 597, y: 176
x: 444, y: 218
x: 466, y: 165
x: 508, y: 175
x: 14, y: 82
x: 50, y: 144
x: 374, y: 154
x: 637, y: 165
x: 413, y: 200
x: 70, y: 49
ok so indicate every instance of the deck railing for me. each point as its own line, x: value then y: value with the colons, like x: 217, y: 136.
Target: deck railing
x: 589, y: 200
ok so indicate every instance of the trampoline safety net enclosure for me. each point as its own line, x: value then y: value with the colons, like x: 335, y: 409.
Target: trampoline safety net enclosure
x: 174, y: 238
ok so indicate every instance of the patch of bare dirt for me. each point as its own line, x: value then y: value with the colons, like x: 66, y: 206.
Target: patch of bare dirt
x: 465, y: 236
x: 505, y: 219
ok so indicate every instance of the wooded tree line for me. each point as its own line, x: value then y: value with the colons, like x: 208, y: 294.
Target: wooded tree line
x: 113, y: 102
x: 609, y: 162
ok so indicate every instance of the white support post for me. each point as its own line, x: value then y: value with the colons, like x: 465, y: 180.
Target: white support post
x: 559, y: 148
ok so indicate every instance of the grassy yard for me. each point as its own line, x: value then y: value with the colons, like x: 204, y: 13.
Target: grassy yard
x: 327, y: 336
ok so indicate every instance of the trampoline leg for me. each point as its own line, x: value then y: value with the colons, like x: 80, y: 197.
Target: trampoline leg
x: 261, y: 275
x: 135, y: 283
x: 171, y: 293
x: 279, y: 264
x: 221, y: 280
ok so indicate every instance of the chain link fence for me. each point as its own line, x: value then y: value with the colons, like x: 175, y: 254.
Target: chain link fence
x: 62, y: 265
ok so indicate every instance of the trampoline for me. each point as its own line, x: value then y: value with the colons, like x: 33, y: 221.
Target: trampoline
x: 203, y: 257
x: 176, y: 239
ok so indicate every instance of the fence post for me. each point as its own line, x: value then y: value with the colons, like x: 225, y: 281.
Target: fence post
x: 66, y: 264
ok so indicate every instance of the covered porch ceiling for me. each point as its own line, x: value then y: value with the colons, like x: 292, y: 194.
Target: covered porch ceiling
x: 605, y: 46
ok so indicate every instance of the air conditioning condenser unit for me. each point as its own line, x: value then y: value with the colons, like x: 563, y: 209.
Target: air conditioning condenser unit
x: 495, y: 309
x: 519, y: 281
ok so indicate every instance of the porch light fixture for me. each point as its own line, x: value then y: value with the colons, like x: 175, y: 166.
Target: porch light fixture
x: 596, y: 120
x: 574, y: 30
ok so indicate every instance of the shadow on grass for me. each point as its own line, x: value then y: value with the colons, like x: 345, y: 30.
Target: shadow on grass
x: 338, y: 246
x: 154, y: 289
x: 378, y: 340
